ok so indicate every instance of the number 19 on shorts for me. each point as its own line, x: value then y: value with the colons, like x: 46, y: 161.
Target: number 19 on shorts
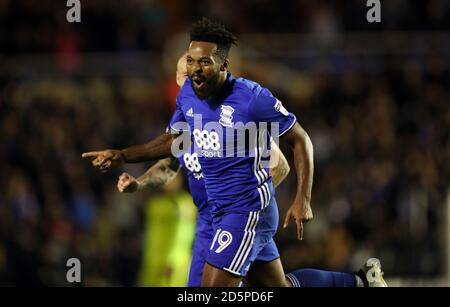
x: 223, y: 238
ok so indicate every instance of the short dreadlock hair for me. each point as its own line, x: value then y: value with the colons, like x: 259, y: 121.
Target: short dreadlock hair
x: 206, y: 30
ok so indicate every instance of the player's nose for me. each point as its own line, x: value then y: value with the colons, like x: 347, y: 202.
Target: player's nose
x: 196, y: 68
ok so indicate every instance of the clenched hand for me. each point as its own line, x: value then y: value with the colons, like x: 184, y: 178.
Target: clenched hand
x: 127, y: 183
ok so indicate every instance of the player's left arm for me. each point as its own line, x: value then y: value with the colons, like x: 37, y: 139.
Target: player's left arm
x: 156, y: 176
x: 302, y: 147
x: 279, y: 167
x: 266, y: 108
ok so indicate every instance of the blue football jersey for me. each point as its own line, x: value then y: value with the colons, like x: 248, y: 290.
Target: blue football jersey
x: 189, y: 161
x: 230, y: 135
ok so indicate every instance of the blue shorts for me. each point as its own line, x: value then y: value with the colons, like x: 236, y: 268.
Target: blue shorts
x: 201, y: 249
x: 202, y: 242
x: 241, y: 238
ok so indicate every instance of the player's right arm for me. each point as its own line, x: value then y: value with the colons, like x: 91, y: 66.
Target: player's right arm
x: 156, y: 176
x: 156, y: 149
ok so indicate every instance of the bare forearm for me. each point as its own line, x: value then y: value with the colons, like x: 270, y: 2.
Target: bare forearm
x: 304, y: 166
x: 303, y: 160
x: 159, y: 174
x: 300, y: 210
x: 159, y: 148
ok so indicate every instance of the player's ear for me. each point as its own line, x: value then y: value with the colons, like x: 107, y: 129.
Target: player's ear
x: 225, y: 64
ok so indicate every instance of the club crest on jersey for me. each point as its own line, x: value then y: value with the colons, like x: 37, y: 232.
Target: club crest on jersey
x: 279, y: 108
x: 226, y: 116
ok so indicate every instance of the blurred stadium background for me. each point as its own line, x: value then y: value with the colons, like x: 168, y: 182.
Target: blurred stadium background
x: 373, y: 97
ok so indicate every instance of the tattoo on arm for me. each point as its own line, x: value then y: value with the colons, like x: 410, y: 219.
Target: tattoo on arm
x: 279, y: 167
x: 159, y: 174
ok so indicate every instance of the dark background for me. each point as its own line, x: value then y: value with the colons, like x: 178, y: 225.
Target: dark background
x: 374, y: 98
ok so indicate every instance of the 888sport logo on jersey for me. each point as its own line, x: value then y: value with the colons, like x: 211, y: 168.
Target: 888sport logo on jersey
x: 208, y: 142
x: 193, y: 165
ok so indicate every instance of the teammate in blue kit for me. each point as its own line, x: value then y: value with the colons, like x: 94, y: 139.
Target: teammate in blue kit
x: 218, y: 108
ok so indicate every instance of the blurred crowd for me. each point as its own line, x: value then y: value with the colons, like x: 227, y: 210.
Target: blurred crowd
x: 55, y: 206
x: 115, y: 25
x: 382, y: 146
x: 381, y: 136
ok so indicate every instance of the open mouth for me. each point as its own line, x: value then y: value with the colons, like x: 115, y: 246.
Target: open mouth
x: 199, y: 81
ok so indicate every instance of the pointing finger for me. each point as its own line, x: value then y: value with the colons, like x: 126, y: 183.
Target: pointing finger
x: 91, y: 154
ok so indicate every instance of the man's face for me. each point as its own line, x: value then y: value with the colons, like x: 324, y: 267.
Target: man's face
x: 203, y: 68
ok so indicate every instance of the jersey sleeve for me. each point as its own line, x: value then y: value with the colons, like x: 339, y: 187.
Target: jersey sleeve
x: 266, y: 108
x: 178, y: 121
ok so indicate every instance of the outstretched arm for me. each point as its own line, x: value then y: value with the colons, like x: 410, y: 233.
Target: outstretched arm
x: 158, y: 148
x: 279, y: 167
x: 156, y: 176
x: 302, y: 146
